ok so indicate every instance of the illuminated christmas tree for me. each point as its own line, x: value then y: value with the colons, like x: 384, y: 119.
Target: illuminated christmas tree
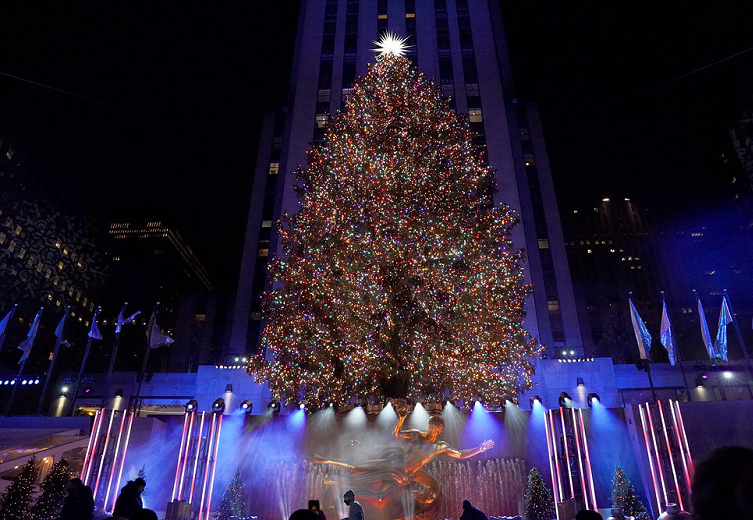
x: 400, y: 277
x: 233, y: 502
x: 54, y: 490
x: 15, y: 502
x: 623, y: 495
x: 539, y: 500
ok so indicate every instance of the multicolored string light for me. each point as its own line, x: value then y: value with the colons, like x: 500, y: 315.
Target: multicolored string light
x: 400, y: 277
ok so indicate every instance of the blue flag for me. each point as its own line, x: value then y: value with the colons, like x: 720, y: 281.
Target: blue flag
x: 666, y: 337
x: 4, y: 324
x: 705, y: 334
x: 30, y: 337
x: 642, y: 335
x: 94, y: 331
x: 122, y: 321
x: 60, y: 331
x: 154, y: 335
x: 725, y: 318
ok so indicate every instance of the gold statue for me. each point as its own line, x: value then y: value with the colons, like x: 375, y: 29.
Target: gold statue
x: 400, y: 467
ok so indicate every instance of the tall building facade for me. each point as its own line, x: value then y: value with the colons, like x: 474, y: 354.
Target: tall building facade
x: 461, y: 45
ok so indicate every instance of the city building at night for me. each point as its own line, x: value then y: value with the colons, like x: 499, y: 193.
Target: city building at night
x: 461, y: 46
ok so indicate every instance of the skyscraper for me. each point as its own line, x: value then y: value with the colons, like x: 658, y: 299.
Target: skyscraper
x: 461, y: 45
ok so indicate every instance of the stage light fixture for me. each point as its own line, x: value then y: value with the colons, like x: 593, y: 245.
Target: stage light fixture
x: 192, y: 406
x: 247, y: 406
x: 563, y: 400
x: 218, y: 406
x: 699, y: 381
x: 23, y: 382
x: 229, y: 388
x: 580, y: 381
x: 728, y: 374
x: 64, y: 389
x: 119, y: 392
x: 88, y: 389
x: 593, y: 398
x: 274, y: 406
x: 535, y: 399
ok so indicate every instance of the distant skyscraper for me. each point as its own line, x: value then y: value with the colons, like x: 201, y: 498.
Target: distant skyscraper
x: 461, y: 45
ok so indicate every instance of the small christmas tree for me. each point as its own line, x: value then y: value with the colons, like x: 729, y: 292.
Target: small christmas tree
x: 15, y: 502
x: 623, y: 495
x: 142, y: 475
x: 233, y: 503
x: 54, y: 490
x: 539, y: 501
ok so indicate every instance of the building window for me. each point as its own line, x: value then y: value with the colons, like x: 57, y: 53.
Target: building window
x: 274, y: 168
x: 474, y: 115
x: 60, y: 265
x: 471, y: 90
x: 528, y: 158
x: 321, y: 120
x: 553, y: 306
x: 323, y: 95
x: 543, y: 243
x: 266, y: 223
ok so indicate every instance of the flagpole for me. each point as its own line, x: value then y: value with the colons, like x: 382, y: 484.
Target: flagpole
x: 83, y: 365
x: 740, y: 337
x: 52, y: 363
x: 7, y: 326
x: 146, y: 358
x: 18, y: 377
x: 645, y: 362
x: 677, y: 352
x: 113, y: 354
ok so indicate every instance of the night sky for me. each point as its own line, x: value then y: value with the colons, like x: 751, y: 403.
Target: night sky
x: 153, y: 109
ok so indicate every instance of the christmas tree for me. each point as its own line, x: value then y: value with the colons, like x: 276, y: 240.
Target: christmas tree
x: 15, y: 502
x: 539, y: 500
x: 233, y: 503
x: 54, y: 490
x: 623, y: 495
x: 401, y: 279
x: 141, y: 473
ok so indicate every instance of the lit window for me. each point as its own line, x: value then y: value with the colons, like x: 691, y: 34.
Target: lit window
x: 381, y: 17
x: 553, y: 306
x: 266, y: 223
x: 18, y: 230
x: 543, y: 243
x: 589, y: 251
x: 321, y: 120
x: 2, y: 238
x: 9, y: 153
x: 474, y: 115
x: 22, y: 252
x: 528, y: 158
x: 274, y: 168
x: 263, y: 252
x: 408, y: 15
x: 12, y: 247
x: 60, y: 265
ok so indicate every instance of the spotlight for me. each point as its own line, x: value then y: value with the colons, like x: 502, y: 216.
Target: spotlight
x: 727, y: 374
x: 218, y: 406
x: 119, y: 392
x: 274, y: 406
x: 23, y: 382
x: 535, y: 399
x: 229, y: 388
x: 593, y: 398
x: 88, y: 389
x: 13, y: 381
x: 699, y: 381
x: 301, y: 406
x: 192, y: 406
x: 64, y: 389
x: 36, y: 381
x: 563, y: 400
x: 580, y: 382
x: 247, y: 406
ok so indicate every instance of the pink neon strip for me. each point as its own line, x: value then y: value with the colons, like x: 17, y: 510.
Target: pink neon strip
x: 185, y: 457
x: 104, y: 453
x: 567, y: 455
x: 669, y: 452
x: 588, y: 460
x: 580, y: 460
x: 196, y: 458
x: 679, y: 444
x: 650, y: 458
x: 94, y: 448
x: 89, y: 445
x: 115, y: 457
x: 556, y: 461
x: 122, y: 461
x: 685, y: 438
x: 180, y: 454
x: 214, y: 466
x: 204, y: 481
x: 551, y: 458
x: 658, y: 460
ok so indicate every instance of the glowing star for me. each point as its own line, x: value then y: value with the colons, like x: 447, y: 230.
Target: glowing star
x: 391, y: 44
